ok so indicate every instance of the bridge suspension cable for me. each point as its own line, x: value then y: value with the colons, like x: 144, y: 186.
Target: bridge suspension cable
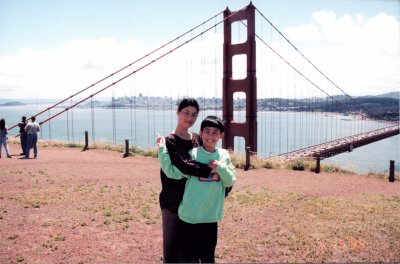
x: 138, y: 69
x: 113, y: 75
x: 123, y: 68
x: 305, y: 128
x: 313, y: 65
x: 302, y: 74
x: 318, y: 121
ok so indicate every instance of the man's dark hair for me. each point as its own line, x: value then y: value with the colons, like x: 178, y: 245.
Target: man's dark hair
x: 33, y: 118
x: 2, y: 124
x: 188, y: 102
x: 213, y: 121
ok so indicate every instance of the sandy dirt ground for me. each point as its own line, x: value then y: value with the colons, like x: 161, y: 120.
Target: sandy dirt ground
x: 69, y: 206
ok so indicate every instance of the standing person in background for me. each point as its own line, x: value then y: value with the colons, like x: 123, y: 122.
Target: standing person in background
x: 3, y: 137
x: 22, y: 134
x: 31, y: 130
x: 178, y: 143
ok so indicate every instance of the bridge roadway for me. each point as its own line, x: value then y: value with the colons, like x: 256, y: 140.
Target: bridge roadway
x: 335, y: 147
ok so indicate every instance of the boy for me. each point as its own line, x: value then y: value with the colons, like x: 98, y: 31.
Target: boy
x: 203, y: 199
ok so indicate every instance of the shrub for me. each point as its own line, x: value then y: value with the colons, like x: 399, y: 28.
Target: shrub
x: 299, y: 165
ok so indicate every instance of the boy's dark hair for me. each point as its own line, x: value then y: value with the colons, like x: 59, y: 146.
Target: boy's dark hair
x: 33, y: 118
x: 188, y: 102
x: 213, y: 121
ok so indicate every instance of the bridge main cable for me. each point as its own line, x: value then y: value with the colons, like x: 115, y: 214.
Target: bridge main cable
x: 315, y: 67
x: 299, y: 72
x: 121, y: 69
x: 144, y: 66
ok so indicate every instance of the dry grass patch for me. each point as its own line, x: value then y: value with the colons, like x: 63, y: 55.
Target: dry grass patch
x: 310, y: 229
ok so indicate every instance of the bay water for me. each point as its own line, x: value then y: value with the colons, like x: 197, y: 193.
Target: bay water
x: 278, y: 132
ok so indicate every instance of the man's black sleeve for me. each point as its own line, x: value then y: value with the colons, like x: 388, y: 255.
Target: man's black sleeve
x: 183, y: 161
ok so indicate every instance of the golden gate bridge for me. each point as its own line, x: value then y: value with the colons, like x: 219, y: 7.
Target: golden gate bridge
x: 231, y: 57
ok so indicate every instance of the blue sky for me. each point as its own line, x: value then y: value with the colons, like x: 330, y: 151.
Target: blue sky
x: 45, y: 24
x: 37, y: 27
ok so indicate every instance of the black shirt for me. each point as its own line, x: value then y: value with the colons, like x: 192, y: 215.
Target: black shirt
x: 172, y: 190
x: 22, y: 126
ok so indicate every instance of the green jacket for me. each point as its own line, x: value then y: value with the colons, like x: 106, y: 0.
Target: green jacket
x: 203, y: 200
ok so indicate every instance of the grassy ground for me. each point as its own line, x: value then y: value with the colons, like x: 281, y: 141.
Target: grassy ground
x: 70, y: 206
x: 311, y: 228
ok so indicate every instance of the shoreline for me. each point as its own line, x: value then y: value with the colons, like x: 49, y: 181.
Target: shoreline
x: 307, y: 164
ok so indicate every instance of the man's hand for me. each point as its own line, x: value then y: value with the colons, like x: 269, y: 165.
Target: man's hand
x: 160, y: 140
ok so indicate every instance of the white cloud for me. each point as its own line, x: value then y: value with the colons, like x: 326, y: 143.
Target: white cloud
x: 59, y: 72
x: 359, y: 54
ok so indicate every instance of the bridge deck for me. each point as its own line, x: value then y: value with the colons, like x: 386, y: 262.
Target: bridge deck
x: 335, y: 147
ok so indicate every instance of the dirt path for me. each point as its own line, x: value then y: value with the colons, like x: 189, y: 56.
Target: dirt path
x: 69, y: 206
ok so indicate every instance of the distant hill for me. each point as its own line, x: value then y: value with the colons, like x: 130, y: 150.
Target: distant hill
x: 395, y: 95
x: 12, y: 104
x: 27, y: 101
x: 383, y: 107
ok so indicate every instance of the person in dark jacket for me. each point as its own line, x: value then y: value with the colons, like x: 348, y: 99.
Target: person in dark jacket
x: 22, y: 134
x: 178, y: 143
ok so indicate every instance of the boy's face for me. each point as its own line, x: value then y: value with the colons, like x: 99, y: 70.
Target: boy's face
x: 210, y: 137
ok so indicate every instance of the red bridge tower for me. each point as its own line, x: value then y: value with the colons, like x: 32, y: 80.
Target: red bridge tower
x: 248, y: 85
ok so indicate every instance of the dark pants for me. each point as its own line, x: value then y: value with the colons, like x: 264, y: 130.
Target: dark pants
x: 171, y: 236
x: 199, y: 242
x: 23, y: 142
x: 31, y: 141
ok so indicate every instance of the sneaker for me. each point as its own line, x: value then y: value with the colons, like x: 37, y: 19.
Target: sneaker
x: 22, y: 154
x: 9, y: 156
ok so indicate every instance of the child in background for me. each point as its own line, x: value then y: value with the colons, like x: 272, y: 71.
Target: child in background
x: 203, y: 199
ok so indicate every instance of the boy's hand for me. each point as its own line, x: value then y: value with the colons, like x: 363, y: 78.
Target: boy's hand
x: 160, y: 141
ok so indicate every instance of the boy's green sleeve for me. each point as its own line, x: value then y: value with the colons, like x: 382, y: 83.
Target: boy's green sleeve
x: 170, y: 170
x: 226, y: 171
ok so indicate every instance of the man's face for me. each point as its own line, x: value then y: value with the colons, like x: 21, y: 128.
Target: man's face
x: 187, y: 116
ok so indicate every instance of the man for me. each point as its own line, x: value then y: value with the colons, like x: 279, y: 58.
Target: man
x: 31, y: 130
